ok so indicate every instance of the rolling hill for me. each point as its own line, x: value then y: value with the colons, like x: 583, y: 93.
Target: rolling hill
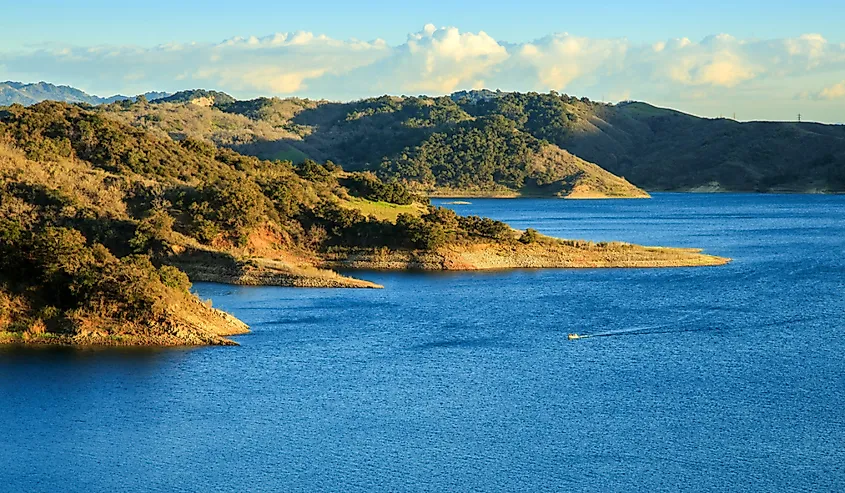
x: 662, y: 149
x: 496, y: 143
x: 462, y: 143
x: 430, y: 144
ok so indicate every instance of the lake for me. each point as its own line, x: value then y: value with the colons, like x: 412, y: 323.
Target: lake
x: 706, y: 379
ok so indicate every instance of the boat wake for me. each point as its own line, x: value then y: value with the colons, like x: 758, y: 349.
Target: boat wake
x: 674, y: 329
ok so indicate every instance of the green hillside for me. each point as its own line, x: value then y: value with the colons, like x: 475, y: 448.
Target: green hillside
x: 667, y: 150
x: 458, y: 143
x: 663, y: 149
x: 430, y: 144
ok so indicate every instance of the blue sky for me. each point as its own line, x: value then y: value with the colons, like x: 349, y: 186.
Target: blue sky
x: 781, y: 58
x: 110, y: 22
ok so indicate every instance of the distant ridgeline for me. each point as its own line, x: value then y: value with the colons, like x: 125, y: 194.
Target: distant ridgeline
x: 506, y: 143
x: 29, y: 94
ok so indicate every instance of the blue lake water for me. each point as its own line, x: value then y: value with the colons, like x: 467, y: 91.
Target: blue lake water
x: 733, y: 380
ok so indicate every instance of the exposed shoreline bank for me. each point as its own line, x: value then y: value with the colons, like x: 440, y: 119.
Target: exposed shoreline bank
x: 547, y: 255
x: 470, y: 194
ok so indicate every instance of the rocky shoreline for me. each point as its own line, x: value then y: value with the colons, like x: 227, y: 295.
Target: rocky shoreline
x: 558, y: 255
x: 577, y: 193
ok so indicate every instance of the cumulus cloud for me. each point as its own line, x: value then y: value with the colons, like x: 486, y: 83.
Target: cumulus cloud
x: 439, y: 60
x: 836, y: 91
x: 554, y: 62
x: 282, y: 63
x: 434, y: 60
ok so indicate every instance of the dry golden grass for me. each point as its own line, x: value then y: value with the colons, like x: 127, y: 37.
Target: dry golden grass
x: 189, y: 120
x: 585, y: 179
x: 90, y: 188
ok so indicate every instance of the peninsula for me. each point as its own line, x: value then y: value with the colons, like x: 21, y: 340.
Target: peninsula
x: 103, y: 226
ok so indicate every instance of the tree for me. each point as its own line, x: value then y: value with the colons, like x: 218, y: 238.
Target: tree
x: 529, y: 236
x: 153, y: 233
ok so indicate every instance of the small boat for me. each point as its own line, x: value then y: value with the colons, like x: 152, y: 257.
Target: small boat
x: 573, y: 337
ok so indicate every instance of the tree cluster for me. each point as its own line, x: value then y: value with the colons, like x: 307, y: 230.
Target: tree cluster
x: 482, y: 153
x: 368, y: 186
x: 72, y: 278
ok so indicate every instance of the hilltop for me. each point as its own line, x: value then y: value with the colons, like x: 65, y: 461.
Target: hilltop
x: 103, y: 227
x: 199, y: 97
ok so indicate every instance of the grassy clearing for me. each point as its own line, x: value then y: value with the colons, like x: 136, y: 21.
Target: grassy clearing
x: 382, y: 210
x: 290, y: 154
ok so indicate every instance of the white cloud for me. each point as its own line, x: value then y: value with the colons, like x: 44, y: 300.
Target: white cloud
x: 718, y: 61
x: 439, y: 60
x: 836, y: 91
x: 811, y: 46
x: 443, y: 60
x: 553, y: 62
x: 282, y: 63
x: 725, y: 69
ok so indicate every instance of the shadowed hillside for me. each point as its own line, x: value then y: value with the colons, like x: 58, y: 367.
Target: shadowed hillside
x: 660, y: 149
x: 667, y: 150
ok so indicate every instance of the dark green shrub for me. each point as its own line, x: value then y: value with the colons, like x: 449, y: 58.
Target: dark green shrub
x: 369, y: 186
x: 232, y: 206
x: 199, y: 147
x: 153, y: 233
x: 419, y: 233
x: 174, y: 278
x: 286, y: 193
x: 485, y: 227
x: 312, y: 171
x: 529, y: 236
